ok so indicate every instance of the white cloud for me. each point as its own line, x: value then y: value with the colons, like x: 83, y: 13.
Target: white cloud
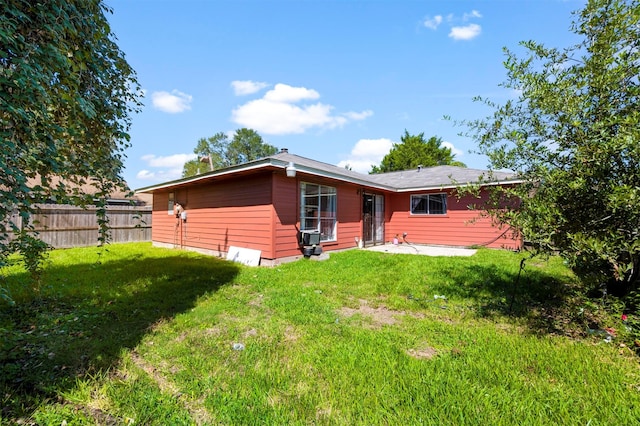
x: 470, y: 15
x: 356, y: 116
x: 247, y: 87
x: 277, y: 113
x: 457, y: 32
x: 433, y: 23
x: 145, y: 175
x: 170, y: 167
x: 173, y: 102
x: 377, y: 148
x: 277, y: 118
x: 455, y: 151
x: 367, y: 153
x: 176, y: 160
x: 285, y: 93
x: 468, y: 32
x: 159, y: 176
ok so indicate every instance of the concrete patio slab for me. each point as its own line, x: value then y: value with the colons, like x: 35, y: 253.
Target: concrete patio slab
x: 422, y: 250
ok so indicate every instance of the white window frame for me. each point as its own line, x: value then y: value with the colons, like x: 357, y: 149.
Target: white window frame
x: 312, y: 215
x: 426, y: 197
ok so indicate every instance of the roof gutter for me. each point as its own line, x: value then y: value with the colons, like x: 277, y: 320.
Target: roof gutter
x: 441, y: 187
x: 335, y: 176
x: 261, y: 164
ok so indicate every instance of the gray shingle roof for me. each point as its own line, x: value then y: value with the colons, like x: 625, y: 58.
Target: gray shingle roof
x: 325, y: 167
x: 425, y: 178
x: 438, y: 176
x: 414, y: 180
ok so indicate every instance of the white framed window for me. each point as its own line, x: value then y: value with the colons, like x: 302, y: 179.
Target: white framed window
x: 318, y: 210
x: 429, y: 204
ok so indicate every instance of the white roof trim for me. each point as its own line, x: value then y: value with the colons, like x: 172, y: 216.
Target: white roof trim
x: 436, y: 187
x: 267, y: 162
x: 222, y: 172
x: 336, y: 176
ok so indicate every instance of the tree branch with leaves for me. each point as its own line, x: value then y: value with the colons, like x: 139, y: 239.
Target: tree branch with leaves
x: 414, y: 151
x: 573, y: 135
x: 217, y: 151
x: 66, y: 98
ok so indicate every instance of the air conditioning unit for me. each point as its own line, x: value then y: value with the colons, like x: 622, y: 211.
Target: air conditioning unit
x: 309, y: 238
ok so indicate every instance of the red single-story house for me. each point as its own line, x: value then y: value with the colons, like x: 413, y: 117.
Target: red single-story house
x: 266, y: 204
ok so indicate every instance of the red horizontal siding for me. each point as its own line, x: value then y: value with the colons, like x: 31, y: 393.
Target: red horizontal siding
x: 286, y: 216
x: 459, y: 227
x: 219, y: 215
x: 286, y: 194
x: 349, y: 217
x: 261, y: 212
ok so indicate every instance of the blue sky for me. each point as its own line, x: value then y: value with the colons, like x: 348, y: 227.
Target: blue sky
x: 335, y: 81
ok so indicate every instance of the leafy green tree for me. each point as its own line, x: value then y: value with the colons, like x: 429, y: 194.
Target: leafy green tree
x: 66, y: 95
x: 573, y: 135
x: 194, y: 167
x: 414, y: 151
x: 247, y: 145
x: 218, y: 151
x: 211, y: 153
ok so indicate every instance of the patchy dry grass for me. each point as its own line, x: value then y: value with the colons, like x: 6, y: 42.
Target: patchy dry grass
x: 151, y: 336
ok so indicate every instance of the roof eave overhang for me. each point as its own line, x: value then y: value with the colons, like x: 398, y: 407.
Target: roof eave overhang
x: 263, y: 164
x: 275, y: 163
x: 260, y: 164
x: 336, y: 176
x: 454, y: 186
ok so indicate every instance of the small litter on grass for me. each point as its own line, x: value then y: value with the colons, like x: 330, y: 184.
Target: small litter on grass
x: 436, y: 297
x: 608, y: 333
x: 238, y: 347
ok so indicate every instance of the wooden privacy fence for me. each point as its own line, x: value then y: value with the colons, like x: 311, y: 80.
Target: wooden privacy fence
x: 65, y: 226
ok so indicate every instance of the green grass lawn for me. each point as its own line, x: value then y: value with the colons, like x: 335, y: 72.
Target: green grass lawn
x: 141, y: 335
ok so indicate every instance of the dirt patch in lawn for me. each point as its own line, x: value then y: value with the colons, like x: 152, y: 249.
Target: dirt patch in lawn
x: 256, y: 301
x: 423, y: 353
x: 290, y: 334
x: 380, y: 316
x: 250, y: 333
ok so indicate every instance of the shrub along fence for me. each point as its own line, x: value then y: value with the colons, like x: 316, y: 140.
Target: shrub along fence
x: 65, y: 226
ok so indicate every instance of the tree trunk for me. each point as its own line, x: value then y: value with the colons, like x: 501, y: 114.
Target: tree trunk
x: 628, y: 283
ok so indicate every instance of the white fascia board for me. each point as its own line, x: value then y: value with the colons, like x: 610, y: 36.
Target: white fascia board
x: 343, y: 178
x: 205, y: 176
x: 261, y: 164
x: 442, y: 187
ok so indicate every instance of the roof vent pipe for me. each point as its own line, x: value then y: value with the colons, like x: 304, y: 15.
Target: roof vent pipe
x: 419, y: 167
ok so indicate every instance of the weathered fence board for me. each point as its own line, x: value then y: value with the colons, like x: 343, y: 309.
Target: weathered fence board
x: 65, y: 226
